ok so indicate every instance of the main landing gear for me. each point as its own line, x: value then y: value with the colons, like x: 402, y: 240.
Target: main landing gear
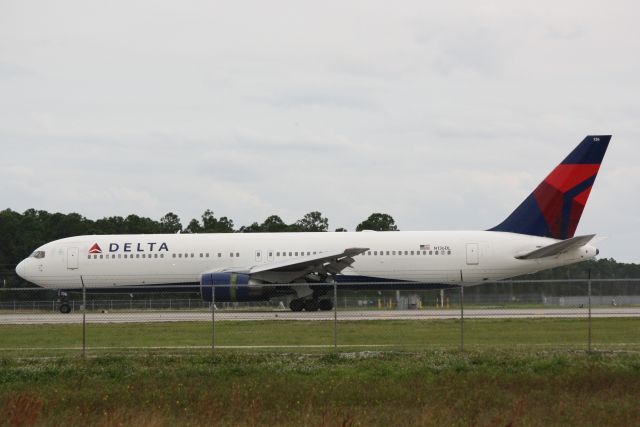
x: 310, y: 304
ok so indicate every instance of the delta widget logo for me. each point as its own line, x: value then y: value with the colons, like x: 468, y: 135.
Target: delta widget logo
x: 95, y: 249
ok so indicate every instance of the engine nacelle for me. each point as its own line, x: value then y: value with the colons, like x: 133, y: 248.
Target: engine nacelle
x: 231, y: 287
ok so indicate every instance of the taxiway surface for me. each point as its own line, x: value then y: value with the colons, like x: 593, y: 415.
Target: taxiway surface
x: 228, y: 315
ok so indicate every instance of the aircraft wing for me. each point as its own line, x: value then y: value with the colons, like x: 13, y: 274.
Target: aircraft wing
x: 321, y: 265
x: 558, y: 248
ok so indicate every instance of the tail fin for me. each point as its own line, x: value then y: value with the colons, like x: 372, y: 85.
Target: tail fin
x: 555, y: 206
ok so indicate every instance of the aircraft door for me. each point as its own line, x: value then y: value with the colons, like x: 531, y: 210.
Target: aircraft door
x: 258, y: 256
x: 72, y: 258
x: 473, y: 254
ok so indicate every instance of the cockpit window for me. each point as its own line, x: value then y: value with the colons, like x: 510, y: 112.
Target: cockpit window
x: 38, y: 254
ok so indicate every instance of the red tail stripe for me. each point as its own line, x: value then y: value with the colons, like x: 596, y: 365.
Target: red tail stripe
x: 565, y: 177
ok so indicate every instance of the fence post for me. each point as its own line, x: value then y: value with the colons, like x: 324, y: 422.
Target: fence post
x: 589, y: 293
x: 84, y: 319
x: 461, y: 318
x: 213, y: 318
x: 335, y: 316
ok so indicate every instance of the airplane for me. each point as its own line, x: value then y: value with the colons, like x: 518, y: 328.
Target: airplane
x: 234, y: 267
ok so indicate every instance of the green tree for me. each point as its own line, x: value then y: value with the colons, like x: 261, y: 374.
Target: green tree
x: 170, y: 223
x: 194, y: 227
x: 253, y: 228
x: 378, y: 222
x: 211, y: 224
x: 313, y: 221
x: 341, y: 229
x: 274, y: 224
x: 134, y: 224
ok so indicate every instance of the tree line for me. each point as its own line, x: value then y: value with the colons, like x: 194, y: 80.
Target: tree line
x: 21, y: 233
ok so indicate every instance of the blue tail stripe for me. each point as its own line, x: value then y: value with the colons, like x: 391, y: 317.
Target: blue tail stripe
x: 590, y: 151
x: 526, y: 219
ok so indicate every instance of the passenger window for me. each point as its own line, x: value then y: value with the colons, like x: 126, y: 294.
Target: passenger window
x: 179, y: 255
x: 448, y: 252
x: 387, y: 252
x: 406, y: 252
x: 369, y: 253
x: 237, y: 254
x: 155, y: 255
x: 119, y: 256
x: 88, y: 256
x: 161, y: 255
x: 430, y: 252
x: 231, y: 254
x: 219, y: 255
x: 436, y: 252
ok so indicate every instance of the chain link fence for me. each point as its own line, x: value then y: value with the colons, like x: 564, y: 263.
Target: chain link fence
x: 580, y: 314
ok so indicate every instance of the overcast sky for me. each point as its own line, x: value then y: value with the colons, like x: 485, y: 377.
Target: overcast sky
x: 444, y: 115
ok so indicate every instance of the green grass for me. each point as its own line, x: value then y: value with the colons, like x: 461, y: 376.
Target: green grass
x: 411, y: 388
x: 610, y: 333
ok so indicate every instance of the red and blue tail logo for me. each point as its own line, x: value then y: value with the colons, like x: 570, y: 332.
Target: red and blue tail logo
x: 555, y: 206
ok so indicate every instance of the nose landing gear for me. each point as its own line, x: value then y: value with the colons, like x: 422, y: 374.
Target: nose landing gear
x: 64, y: 307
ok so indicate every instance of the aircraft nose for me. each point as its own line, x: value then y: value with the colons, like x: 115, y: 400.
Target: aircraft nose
x: 21, y: 268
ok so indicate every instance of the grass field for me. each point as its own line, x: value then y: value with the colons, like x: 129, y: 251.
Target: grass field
x: 389, y: 388
x: 412, y: 335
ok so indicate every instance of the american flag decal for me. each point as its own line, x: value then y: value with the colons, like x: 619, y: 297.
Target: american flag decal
x: 425, y: 247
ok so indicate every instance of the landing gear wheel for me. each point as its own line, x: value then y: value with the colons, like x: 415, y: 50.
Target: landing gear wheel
x: 296, y: 304
x: 311, y: 305
x: 325, y: 304
x: 64, y: 308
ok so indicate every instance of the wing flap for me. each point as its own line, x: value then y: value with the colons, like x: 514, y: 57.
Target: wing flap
x: 337, y: 258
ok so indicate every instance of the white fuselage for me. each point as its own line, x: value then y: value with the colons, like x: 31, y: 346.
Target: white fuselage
x: 444, y: 257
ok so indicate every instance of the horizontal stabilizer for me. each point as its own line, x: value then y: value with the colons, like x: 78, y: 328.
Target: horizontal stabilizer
x: 558, y: 248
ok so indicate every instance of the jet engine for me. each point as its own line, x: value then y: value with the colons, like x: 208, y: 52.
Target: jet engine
x: 231, y: 287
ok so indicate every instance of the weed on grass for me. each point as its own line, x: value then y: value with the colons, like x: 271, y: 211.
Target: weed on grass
x: 369, y: 388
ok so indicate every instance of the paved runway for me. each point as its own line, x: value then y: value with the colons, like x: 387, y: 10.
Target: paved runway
x: 227, y: 315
